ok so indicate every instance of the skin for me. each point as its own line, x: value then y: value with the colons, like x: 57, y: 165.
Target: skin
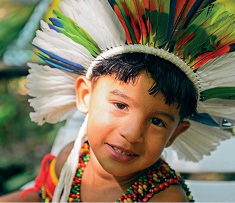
x: 124, y: 116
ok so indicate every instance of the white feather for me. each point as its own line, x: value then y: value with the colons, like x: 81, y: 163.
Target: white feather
x: 49, y: 105
x: 217, y: 72
x: 69, y: 168
x: 93, y: 16
x: 198, y: 140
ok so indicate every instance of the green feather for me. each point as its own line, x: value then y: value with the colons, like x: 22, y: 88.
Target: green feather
x: 77, y: 33
x: 218, y: 92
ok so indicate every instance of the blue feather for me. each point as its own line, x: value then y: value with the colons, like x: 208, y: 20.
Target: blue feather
x: 171, y: 19
x: 204, y: 119
x: 57, y: 64
x: 79, y: 66
x: 56, y: 22
x: 54, y: 28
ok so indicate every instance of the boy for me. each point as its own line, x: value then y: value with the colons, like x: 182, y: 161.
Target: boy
x: 136, y: 95
x: 134, y: 113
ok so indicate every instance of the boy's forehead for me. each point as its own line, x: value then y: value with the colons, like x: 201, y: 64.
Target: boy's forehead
x: 141, y: 82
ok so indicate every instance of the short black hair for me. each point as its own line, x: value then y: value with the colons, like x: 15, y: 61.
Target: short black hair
x: 169, y: 79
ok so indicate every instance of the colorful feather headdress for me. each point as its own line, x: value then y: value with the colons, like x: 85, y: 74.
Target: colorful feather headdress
x: 198, y: 36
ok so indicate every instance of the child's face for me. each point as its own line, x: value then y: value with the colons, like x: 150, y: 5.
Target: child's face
x: 128, y: 128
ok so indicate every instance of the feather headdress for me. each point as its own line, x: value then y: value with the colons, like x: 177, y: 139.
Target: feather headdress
x: 198, y: 36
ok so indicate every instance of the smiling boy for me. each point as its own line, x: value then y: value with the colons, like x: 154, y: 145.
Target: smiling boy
x: 141, y: 71
x: 130, y: 122
x: 128, y: 127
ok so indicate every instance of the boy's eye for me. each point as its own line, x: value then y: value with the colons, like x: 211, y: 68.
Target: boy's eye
x: 121, y: 106
x: 156, y: 121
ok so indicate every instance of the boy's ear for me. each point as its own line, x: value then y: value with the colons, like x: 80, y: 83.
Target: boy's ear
x: 83, y: 91
x: 182, y: 127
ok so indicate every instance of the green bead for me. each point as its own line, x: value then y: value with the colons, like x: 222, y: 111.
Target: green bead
x: 77, y: 174
x: 140, y: 180
x: 76, y: 187
x: 76, y: 200
x: 131, y: 191
x: 74, y: 191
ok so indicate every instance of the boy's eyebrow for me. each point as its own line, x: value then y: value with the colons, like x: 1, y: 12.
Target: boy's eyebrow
x: 120, y: 94
x: 167, y: 115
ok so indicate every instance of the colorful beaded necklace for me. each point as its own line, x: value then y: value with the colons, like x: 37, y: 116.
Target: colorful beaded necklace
x: 156, y: 178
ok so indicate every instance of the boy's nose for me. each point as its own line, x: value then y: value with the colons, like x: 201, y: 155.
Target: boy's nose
x: 133, y: 129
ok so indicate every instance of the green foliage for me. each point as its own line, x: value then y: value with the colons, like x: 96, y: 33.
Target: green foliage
x: 23, y: 143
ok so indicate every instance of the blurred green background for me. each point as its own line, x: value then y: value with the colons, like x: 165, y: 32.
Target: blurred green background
x: 22, y: 142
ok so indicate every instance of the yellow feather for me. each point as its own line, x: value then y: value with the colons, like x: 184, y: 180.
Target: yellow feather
x: 229, y: 5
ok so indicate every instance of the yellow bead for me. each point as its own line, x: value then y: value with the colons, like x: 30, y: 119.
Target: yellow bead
x: 144, y: 186
x: 154, y: 175
x: 125, y: 200
x: 140, y: 191
x: 190, y: 197
x: 129, y: 200
x: 70, y: 199
x: 140, y: 187
x: 155, y: 178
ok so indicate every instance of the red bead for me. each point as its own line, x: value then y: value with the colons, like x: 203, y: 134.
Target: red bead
x: 129, y: 195
x: 73, y: 195
x: 175, y: 181
x: 166, y: 184
x: 141, y: 183
x: 136, y: 184
x: 162, y: 186
x: 179, y: 178
x: 145, y: 199
x: 136, y: 191
x: 164, y: 171
x: 149, y: 195
x: 171, y: 181
x: 133, y: 195
x: 78, y: 181
x: 135, y: 187
x: 156, y: 190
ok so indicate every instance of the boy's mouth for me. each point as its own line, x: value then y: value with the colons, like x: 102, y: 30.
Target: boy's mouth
x: 120, y: 150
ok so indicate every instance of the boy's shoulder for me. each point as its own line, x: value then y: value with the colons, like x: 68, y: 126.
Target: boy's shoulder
x: 62, y: 157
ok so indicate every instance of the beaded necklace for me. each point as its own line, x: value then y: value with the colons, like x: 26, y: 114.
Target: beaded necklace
x: 156, y: 178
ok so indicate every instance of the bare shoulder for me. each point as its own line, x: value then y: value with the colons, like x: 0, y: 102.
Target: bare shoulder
x: 62, y: 157
x: 173, y: 193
